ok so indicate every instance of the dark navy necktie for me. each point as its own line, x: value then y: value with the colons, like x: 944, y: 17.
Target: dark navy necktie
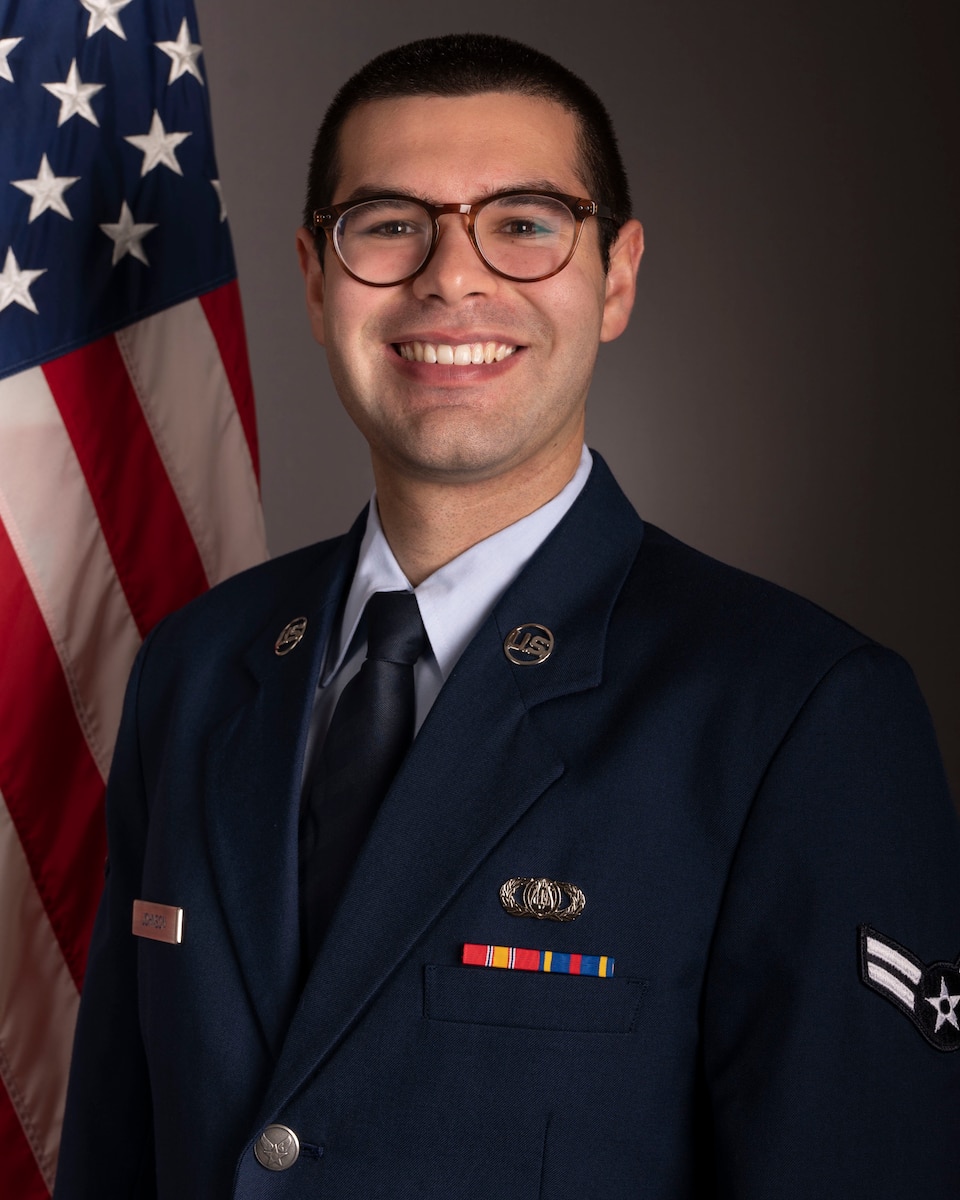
x: 370, y: 732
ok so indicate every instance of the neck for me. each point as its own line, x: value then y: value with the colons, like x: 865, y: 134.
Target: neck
x: 428, y: 522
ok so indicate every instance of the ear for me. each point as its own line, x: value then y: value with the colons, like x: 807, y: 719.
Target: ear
x: 313, y: 278
x: 621, y: 286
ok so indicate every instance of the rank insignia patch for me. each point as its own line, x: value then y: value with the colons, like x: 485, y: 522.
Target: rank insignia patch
x: 928, y: 995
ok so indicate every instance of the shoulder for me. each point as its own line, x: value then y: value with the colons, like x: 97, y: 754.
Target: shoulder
x: 240, y: 604
x: 690, y: 589
x: 753, y: 654
x: 681, y: 616
x: 201, y: 644
x: 782, y: 678
x: 671, y: 589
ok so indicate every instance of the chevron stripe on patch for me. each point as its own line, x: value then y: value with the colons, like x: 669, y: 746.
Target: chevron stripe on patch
x: 929, y: 996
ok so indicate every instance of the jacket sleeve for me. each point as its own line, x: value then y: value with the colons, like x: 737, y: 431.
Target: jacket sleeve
x: 819, y: 1084
x: 106, y: 1148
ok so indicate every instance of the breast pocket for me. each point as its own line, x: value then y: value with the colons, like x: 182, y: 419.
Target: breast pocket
x: 531, y: 1000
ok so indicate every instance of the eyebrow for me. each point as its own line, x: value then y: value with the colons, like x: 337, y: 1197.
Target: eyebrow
x: 376, y: 191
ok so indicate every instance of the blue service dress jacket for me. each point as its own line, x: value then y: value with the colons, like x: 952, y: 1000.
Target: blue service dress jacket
x: 748, y: 795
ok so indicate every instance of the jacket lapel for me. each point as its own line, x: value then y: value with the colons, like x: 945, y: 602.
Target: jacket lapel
x: 457, y: 795
x: 252, y: 790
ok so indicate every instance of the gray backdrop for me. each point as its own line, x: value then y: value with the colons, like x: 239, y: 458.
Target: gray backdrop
x: 787, y: 396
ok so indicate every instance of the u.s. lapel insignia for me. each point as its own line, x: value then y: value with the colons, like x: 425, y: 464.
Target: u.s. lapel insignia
x: 290, y: 635
x: 928, y: 995
x: 528, y: 645
x: 544, y: 899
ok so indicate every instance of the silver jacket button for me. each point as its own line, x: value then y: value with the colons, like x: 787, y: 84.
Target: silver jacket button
x: 277, y: 1148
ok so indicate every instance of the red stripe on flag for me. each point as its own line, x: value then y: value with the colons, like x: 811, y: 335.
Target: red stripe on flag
x: 224, y: 315
x: 19, y: 1171
x: 49, y: 780
x: 141, y: 518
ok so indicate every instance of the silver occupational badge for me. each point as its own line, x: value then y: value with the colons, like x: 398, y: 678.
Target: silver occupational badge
x: 544, y: 899
x: 528, y: 645
x: 928, y: 995
x: 277, y: 1148
x: 290, y: 635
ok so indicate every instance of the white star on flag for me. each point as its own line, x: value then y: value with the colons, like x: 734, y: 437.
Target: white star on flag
x: 74, y: 96
x: 183, y: 55
x: 950, y: 1015
x: 127, y: 236
x: 46, y: 191
x: 158, y: 146
x: 15, y: 284
x: 218, y: 188
x: 6, y: 45
x: 103, y: 15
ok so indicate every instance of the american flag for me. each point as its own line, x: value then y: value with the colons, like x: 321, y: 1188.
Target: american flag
x: 128, y: 468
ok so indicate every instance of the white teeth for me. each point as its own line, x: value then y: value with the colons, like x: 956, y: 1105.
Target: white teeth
x: 464, y: 355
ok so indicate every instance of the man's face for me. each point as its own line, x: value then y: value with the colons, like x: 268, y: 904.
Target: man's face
x: 509, y: 419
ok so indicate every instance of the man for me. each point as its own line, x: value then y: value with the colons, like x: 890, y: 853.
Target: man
x: 703, y: 821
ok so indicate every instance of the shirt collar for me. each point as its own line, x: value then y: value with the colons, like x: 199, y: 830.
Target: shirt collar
x: 456, y: 599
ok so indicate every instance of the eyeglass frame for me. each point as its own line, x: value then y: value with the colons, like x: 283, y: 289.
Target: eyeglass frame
x: 580, y: 207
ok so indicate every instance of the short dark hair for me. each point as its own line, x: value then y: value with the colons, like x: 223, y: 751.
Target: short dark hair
x: 465, y: 64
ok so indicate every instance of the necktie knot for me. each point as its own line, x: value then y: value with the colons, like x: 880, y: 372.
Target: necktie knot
x: 395, y: 631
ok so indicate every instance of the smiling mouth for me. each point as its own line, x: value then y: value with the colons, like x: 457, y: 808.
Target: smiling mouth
x: 465, y: 355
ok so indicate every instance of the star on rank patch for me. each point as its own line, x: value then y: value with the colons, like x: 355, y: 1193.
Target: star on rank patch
x: 928, y: 995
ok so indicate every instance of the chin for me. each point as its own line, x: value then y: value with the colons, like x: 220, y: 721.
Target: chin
x: 454, y: 460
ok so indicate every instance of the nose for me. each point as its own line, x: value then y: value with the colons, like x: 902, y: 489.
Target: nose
x: 455, y: 270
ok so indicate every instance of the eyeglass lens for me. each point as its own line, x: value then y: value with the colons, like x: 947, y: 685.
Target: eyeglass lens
x: 524, y: 236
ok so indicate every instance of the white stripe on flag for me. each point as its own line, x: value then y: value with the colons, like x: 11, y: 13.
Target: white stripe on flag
x: 38, y: 1005
x: 177, y: 373
x: 53, y: 525
x: 878, y: 949
x: 883, y: 978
